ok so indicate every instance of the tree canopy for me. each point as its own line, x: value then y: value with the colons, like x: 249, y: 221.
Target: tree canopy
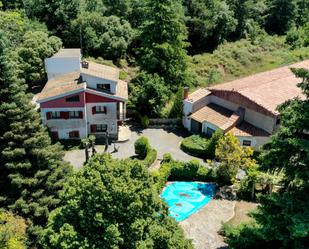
x: 112, y: 204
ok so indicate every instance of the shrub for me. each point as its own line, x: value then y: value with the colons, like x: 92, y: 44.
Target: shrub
x: 167, y: 157
x: 145, y: 122
x: 142, y: 147
x: 150, y: 157
x: 160, y: 176
x: 195, y: 145
x: 213, y: 141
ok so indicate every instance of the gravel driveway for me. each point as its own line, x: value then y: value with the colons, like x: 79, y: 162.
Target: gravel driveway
x: 163, y: 140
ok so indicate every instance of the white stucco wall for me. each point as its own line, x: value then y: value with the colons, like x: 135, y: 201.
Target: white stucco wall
x: 56, y: 66
x: 92, y: 82
x: 187, y: 109
x: 110, y: 118
x: 64, y: 126
x: 256, y: 142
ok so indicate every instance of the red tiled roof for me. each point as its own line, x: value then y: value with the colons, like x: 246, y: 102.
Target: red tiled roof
x: 101, y: 71
x: 245, y: 129
x: 268, y: 89
x: 217, y: 115
x: 198, y: 94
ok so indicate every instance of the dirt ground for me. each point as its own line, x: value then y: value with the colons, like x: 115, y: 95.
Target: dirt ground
x: 242, y: 208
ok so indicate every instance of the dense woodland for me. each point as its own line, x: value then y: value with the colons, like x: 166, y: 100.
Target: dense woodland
x: 160, y: 46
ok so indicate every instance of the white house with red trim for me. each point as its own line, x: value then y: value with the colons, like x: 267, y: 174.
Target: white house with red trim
x: 81, y: 97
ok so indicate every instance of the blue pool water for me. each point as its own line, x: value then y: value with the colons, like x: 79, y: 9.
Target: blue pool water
x: 185, y: 198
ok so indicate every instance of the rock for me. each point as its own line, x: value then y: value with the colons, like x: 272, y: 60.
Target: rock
x: 226, y: 193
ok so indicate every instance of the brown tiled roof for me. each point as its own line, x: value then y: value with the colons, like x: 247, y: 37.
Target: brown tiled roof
x: 198, y: 94
x: 62, y: 84
x: 101, y: 71
x: 245, y: 129
x: 217, y: 115
x: 122, y: 89
x: 268, y: 89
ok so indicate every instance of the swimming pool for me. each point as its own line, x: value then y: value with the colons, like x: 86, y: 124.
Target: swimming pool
x: 185, y: 198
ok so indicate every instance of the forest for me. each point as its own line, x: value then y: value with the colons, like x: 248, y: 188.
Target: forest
x: 160, y: 47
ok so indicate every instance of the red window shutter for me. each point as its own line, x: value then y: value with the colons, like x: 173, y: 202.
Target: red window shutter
x: 77, y: 134
x: 80, y: 114
x: 54, y: 134
x: 105, y: 109
x: 93, y: 128
x: 48, y: 115
x: 93, y: 110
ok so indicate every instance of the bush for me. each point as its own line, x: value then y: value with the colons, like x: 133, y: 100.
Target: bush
x: 150, y: 157
x: 167, y: 157
x: 195, y: 145
x: 160, y: 176
x: 202, y: 147
x: 145, y: 122
x: 142, y: 147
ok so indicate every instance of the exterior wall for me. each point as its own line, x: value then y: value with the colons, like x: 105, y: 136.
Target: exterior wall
x: 257, y: 119
x: 60, y: 102
x: 64, y: 126
x: 93, y: 81
x: 56, y: 66
x: 110, y: 118
x: 200, y: 103
x: 92, y: 98
x: 256, y: 142
x: 210, y: 125
x: 187, y: 110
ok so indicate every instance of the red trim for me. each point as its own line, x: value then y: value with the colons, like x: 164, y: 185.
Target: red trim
x: 92, y: 98
x: 93, y: 128
x: 60, y: 102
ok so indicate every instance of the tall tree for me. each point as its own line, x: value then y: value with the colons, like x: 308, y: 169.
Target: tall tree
x: 209, y: 23
x: 162, y: 42
x: 112, y: 204
x: 280, y: 16
x: 283, y: 218
x: 31, y: 168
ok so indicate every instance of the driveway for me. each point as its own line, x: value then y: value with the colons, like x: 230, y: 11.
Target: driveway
x: 163, y: 140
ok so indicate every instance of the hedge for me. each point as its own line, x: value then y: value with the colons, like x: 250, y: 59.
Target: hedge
x: 142, y: 147
x: 182, y: 171
x: 200, y: 146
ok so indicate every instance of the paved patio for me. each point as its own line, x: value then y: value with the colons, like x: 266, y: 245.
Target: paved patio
x: 163, y: 140
x: 203, y: 226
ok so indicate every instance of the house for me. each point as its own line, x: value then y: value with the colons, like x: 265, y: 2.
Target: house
x: 82, y: 97
x: 246, y: 107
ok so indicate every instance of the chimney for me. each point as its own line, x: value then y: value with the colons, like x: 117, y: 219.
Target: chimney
x: 85, y: 64
x: 185, y: 92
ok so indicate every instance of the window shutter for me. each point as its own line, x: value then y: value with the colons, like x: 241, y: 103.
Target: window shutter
x: 105, y: 109
x: 55, y: 134
x: 80, y: 114
x: 93, y: 128
x: 48, y: 115
x: 93, y: 110
x: 64, y: 115
x: 77, y: 134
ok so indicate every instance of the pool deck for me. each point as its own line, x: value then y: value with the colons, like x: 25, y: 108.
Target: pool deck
x: 203, y: 226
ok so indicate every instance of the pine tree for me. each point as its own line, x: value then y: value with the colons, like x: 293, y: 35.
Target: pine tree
x: 31, y: 170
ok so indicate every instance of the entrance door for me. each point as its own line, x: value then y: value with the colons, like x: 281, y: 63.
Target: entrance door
x: 196, y: 127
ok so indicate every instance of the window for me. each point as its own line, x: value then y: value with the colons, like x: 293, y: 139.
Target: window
x: 278, y: 121
x: 99, y: 109
x: 104, y: 87
x: 98, y: 127
x: 76, y: 114
x: 101, y: 127
x: 74, y: 134
x: 209, y: 131
x: 56, y: 115
x: 246, y: 143
x: 74, y: 98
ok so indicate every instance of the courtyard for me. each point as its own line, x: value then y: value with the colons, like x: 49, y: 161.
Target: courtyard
x: 164, y: 140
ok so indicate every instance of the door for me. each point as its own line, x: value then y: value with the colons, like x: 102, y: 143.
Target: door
x: 196, y: 127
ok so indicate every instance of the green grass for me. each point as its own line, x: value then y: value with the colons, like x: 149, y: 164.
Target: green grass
x: 238, y: 59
